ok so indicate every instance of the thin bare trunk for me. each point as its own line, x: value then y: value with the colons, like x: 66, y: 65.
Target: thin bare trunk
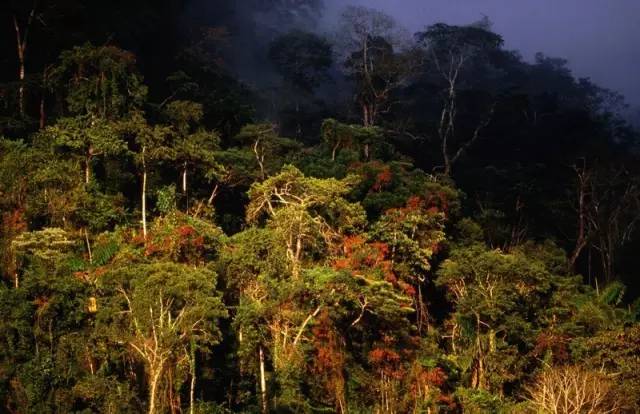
x: 144, y: 192
x: 184, y: 177
x: 42, y: 113
x: 305, y: 323
x: 365, y: 115
x: 214, y: 194
x: 581, y: 241
x: 21, y: 45
x: 86, y: 236
x: 87, y: 170
x: 184, y: 185
x: 153, y: 387
x: 192, y: 387
x: 259, y: 157
x: 334, y: 150
x: 144, y: 195
x: 22, y: 38
x: 263, y: 382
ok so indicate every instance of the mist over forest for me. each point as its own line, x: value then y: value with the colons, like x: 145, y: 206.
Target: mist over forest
x: 308, y: 206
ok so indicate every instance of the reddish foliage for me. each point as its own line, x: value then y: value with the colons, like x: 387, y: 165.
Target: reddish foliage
x: 555, y: 343
x: 13, y: 223
x: 184, y: 243
x: 448, y: 401
x: 360, y: 255
x: 414, y: 203
x: 383, y: 179
x: 341, y: 264
x: 199, y: 241
x: 329, y: 360
x: 186, y: 231
x: 380, y: 356
x: 351, y: 243
x: 435, y: 377
x: 387, y: 361
x: 100, y: 271
x: 391, y: 278
x: 81, y: 275
x: 407, y: 288
x: 383, y: 250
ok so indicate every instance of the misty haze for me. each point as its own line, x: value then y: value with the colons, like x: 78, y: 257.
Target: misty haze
x: 319, y: 206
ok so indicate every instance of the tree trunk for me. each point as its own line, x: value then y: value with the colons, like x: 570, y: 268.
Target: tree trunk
x: 263, y: 382
x: 365, y: 115
x: 184, y: 186
x: 581, y: 240
x: 87, y: 170
x: 444, y: 138
x: 21, y: 89
x: 42, y: 113
x: 86, y: 237
x: 192, y: 387
x: 22, y: 47
x: 447, y: 165
x: 153, y: 388
x: 296, y: 262
x: 184, y: 178
x: 259, y: 157
x: 334, y: 150
x: 479, y: 382
x: 22, y: 38
x: 214, y: 194
x: 144, y: 195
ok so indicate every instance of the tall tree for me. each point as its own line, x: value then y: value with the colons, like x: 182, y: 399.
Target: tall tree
x: 304, y: 210
x: 453, y: 51
x: 22, y: 30
x: 101, y: 81
x: 159, y: 311
x: 192, y: 146
x: 370, y: 44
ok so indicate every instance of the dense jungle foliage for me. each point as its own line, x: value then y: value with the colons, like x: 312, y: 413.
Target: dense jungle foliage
x: 214, y: 207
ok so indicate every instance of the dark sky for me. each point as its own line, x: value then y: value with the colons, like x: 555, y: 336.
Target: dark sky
x: 600, y: 38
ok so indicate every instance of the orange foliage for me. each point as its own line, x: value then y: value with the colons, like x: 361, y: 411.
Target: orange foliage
x: 186, y: 231
x: 383, y: 179
x: 387, y: 361
x: 407, y: 288
x: 183, y: 243
x: 13, y: 223
x: 329, y: 360
x: 435, y: 377
x: 414, y: 203
x: 381, y: 356
x: 360, y: 255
